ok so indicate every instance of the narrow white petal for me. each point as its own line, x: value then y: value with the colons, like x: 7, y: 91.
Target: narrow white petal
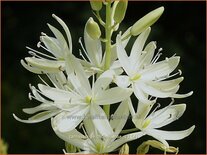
x: 120, y: 117
x: 123, y: 58
x: 141, y: 96
x: 113, y: 95
x: 124, y: 139
x: 67, y: 121
x: 166, y: 115
x: 100, y: 120
x: 30, y: 68
x: 60, y: 38
x: 166, y: 85
x: 52, y: 45
x: 182, y: 95
x: 103, y: 82
x: 173, y: 135
x: 55, y: 94
x: 150, y: 49
x: 122, y: 81
x: 160, y: 69
x: 38, y: 117
x: 41, y: 107
x: 76, y: 72
x: 156, y: 91
x: 138, y: 46
x: 73, y: 137
x: 157, y: 136
x: 47, y: 66
x: 67, y: 31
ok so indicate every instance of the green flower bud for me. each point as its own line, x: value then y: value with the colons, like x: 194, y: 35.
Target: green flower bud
x: 124, y: 149
x: 93, y: 29
x: 120, y: 11
x: 70, y: 148
x: 146, y: 21
x: 96, y: 5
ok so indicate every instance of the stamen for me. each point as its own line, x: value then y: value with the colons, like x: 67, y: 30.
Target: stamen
x: 84, y: 131
x: 168, y: 76
x: 35, y: 51
x: 43, y: 80
x: 80, y: 53
x: 80, y: 42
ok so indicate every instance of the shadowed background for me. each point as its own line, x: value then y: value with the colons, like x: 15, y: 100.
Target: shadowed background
x: 180, y: 30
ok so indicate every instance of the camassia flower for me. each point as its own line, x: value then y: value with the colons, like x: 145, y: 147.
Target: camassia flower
x: 58, y: 48
x: 149, y: 122
x: 144, y: 73
x: 71, y: 106
x: 92, y: 141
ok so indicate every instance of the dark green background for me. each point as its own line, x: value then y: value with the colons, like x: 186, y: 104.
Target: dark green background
x: 180, y: 30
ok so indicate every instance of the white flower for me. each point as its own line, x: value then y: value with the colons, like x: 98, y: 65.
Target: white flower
x: 72, y: 105
x: 144, y: 73
x: 93, y: 142
x: 148, y: 123
x: 58, y: 48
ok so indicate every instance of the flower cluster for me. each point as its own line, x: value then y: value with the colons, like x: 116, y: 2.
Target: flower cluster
x: 82, y: 89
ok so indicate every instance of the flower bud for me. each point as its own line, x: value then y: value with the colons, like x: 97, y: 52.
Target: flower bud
x: 144, y: 147
x: 93, y: 29
x: 120, y: 11
x: 96, y: 5
x: 146, y: 21
x: 70, y: 148
x: 124, y: 149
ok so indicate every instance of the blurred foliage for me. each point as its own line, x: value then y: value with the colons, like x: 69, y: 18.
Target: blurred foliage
x: 180, y: 30
x: 3, y: 147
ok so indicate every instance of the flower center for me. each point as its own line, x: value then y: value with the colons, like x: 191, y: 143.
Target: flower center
x: 136, y: 77
x: 88, y: 99
x: 99, y: 147
x: 146, y: 123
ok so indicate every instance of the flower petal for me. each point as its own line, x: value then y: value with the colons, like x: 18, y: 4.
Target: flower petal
x: 67, y: 31
x: 122, y: 81
x: 73, y: 137
x: 172, y: 135
x: 100, y: 120
x: 166, y: 115
x: 123, y: 58
x: 160, y: 69
x: 124, y: 139
x: 38, y: 117
x: 41, y: 107
x: 77, y: 76
x: 47, y: 66
x: 67, y: 121
x: 113, y: 95
x: 55, y: 94
x: 120, y: 117
x: 138, y: 46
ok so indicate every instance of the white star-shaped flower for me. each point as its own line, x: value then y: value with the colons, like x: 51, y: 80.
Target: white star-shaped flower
x: 70, y: 107
x: 93, y: 141
x: 144, y: 73
x: 149, y: 123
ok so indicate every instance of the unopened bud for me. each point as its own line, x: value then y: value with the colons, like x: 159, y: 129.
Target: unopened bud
x: 96, y: 5
x: 70, y: 148
x: 146, y: 21
x: 124, y: 149
x: 93, y: 29
x: 120, y: 11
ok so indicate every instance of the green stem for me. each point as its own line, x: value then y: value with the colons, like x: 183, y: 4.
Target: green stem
x: 108, y: 46
x: 129, y: 130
